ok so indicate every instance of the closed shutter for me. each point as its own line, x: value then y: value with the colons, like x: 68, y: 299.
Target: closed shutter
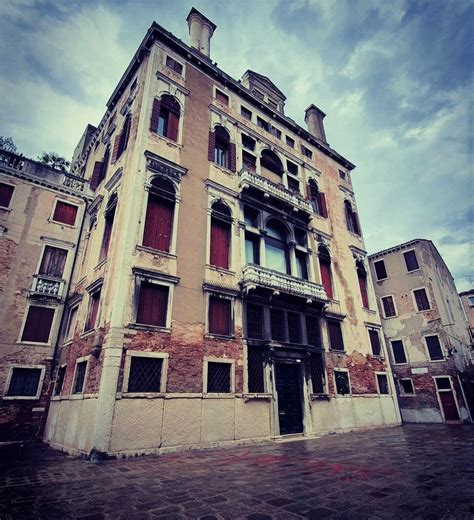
x: 211, y: 146
x: 375, y: 342
x: 152, y: 304
x: 6, y: 192
x: 38, y: 324
x: 53, y: 262
x: 335, y: 335
x: 220, y: 242
x: 65, y: 213
x: 219, y: 316
x: 96, y: 174
x: 326, y: 279
x: 173, y: 126
x: 232, y: 157
x: 158, y: 223
x: 323, y: 210
x: 388, y: 306
x: 155, y: 115
x: 363, y: 289
x: 116, y: 149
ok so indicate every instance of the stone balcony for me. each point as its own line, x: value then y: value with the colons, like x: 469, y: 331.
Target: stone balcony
x: 254, y: 276
x: 47, y: 286
x: 269, y: 189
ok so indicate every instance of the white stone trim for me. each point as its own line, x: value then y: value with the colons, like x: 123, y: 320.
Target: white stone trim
x: 212, y: 359
x: 443, y: 350
x: 26, y: 397
x: 415, y: 305
x: 394, y: 305
x: 140, y: 353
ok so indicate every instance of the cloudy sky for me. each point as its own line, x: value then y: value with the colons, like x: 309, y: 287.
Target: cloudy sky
x: 394, y: 77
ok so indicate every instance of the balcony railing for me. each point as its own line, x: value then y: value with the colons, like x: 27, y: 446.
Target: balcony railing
x: 47, y: 286
x: 254, y: 276
x: 250, y: 179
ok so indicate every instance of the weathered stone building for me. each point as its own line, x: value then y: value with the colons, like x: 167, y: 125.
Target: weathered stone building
x: 224, y: 292
x: 41, y: 215
x: 426, y: 332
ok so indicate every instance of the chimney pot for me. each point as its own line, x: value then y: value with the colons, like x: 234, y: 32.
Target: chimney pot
x: 201, y: 30
x: 314, y: 120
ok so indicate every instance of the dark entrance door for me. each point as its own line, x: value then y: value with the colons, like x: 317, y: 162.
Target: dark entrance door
x: 288, y: 386
x: 449, y: 406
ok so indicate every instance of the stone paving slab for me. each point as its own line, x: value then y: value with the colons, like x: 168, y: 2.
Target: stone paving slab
x: 414, y: 472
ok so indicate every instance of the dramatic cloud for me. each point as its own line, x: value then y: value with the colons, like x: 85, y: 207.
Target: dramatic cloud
x: 395, y: 79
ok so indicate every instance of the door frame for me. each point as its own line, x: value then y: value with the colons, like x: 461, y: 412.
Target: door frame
x: 300, y: 364
x: 453, y: 391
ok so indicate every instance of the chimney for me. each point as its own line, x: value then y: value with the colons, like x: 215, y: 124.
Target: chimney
x: 314, y: 120
x: 201, y: 30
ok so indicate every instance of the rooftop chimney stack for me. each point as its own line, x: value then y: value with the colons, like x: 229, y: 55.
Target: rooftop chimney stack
x: 201, y: 30
x: 314, y: 120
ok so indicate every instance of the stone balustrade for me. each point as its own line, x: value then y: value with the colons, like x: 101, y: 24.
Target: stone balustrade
x: 47, y: 286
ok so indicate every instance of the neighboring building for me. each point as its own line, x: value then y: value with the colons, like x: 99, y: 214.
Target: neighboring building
x: 467, y: 301
x: 41, y: 214
x: 467, y: 378
x: 224, y: 293
x: 425, y: 330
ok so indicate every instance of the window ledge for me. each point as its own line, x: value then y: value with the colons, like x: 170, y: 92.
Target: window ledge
x: 61, y: 223
x: 100, y: 264
x: 218, y: 395
x: 257, y: 397
x: 220, y: 269
x: 227, y: 171
x: 436, y: 360
x: 424, y: 310
x: 210, y: 335
x: 88, y: 333
x: 342, y: 352
x: 4, y: 208
x: 20, y: 397
x: 370, y: 311
x: 68, y: 342
x: 320, y: 397
x: 355, y: 234
x: 33, y: 343
x: 155, y: 252
x: 150, y: 328
x: 414, y: 270
x: 382, y: 279
x: 142, y: 395
x: 390, y: 317
x: 76, y: 397
x: 169, y: 142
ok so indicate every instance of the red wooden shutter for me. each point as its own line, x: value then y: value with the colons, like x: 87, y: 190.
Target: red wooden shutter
x: 220, y: 242
x: 325, y: 268
x: 65, y: 213
x: 38, y: 324
x: 115, y: 151
x: 173, y: 125
x: 6, y: 192
x: 158, y: 223
x: 335, y: 336
x: 219, y: 316
x: 152, y: 304
x: 308, y: 192
x: 155, y: 115
x: 323, y: 210
x: 363, y: 289
x: 232, y: 158
x: 96, y: 174
x: 211, y: 146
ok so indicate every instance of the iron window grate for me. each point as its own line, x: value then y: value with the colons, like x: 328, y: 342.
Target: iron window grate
x: 277, y: 320
x: 254, y: 322
x: 342, y: 382
x: 294, y: 327
x: 80, y: 377
x: 317, y: 373
x: 145, y: 374
x: 24, y: 382
x: 312, y: 331
x: 255, y: 366
x: 59, y: 380
x: 218, y: 377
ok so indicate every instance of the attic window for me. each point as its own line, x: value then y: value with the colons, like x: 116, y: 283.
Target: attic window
x: 306, y: 152
x: 273, y: 104
x: 290, y: 142
x: 258, y: 93
x: 245, y: 112
x: 223, y: 98
x: 174, y: 65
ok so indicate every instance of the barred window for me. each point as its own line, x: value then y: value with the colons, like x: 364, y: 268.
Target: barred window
x: 145, y: 374
x: 312, y: 331
x: 342, y: 382
x: 255, y: 327
x: 218, y: 377
x: 277, y: 321
x: 60, y: 380
x: 294, y: 327
x: 24, y: 382
x: 80, y: 377
x: 317, y: 372
x: 255, y: 369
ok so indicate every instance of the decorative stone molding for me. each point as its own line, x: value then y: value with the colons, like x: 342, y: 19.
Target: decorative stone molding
x: 157, y: 164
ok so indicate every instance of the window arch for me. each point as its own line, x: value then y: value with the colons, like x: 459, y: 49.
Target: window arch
x: 121, y: 140
x: 325, y: 270
x: 317, y: 198
x: 362, y: 277
x: 221, y: 151
x: 276, y: 246
x: 159, y: 215
x: 221, y: 220
x: 351, y: 218
x: 165, y: 116
x: 270, y: 161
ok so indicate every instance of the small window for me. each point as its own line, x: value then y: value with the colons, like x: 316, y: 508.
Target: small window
x: 292, y: 168
x: 58, y: 386
x: 174, y: 65
x: 255, y: 369
x: 24, y: 382
x: 434, y: 348
x: 290, y: 142
x: 405, y: 387
x: 342, y: 175
x: 152, y: 304
x: 249, y: 161
x: 325, y: 271
x: 470, y: 301
x: 316, y: 365
x: 263, y: 124
x: 145, y: 374
x: 221, y: 147
x: 218, y: 377
x: 313, y: 333
x: 277, y: 324
x: 411, y: 261
x: 220, y: 316
x: 245, y: 112
x: 306, y: 152
x: 342, y: 382
x: 38, y: 324
x: 380, y: 270
x: 251, y: 216
x: 382, y: 384
x: 389, y: 306
x: 399, y: 356
x: 6, y: 194
x: 273, y: 104
x: 71, y: 323
x: 65, y: 213
x: 270, y: 161
x: 362, y: 277
x: 53, y: 261
x: 352, y: 220
x: 248, y: 142
x: 293, y: 184
x: 335, y: 335
x: 254, y: 318
x: 375, y: 342
x: 221, y: 97
x: 252, y: 248
x: 421, y: 299
x: 275, y: 132
x: 79, y: 377
x: 93, y: 311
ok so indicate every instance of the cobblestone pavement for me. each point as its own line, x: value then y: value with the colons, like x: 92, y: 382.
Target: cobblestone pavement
x: 415, y: 471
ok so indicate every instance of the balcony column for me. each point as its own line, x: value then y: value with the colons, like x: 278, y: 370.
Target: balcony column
x: 263, y: 253
x: 284, y: 179
x: 292, y: 252
x: 311, y: 273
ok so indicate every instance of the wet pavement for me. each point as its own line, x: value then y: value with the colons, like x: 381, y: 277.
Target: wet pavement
x: 414, y: 471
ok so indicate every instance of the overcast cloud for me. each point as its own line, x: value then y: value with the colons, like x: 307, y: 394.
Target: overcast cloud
x: 394, y: 77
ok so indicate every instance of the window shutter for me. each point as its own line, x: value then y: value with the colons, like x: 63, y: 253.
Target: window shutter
x: 152, y: 304
x: 323, y: 210
x: 53, y: 261
x: 308, y: 192
x: 220, y: 242
x: 155, y: 115
x: 115, y: 151
x: 158, y: 223
x: 211, y: 146
x: 65, y: 213
x: 232, y: 157
x: 6, y: 192
x: 109, y: 224
x: 325, y: 268
x: 335, y: 335
x: 96, y: 174
x: 173, y: 126
x: 38, y: 324
x: 363, y: 290
x: 219, y: 316
x: 93, y: 311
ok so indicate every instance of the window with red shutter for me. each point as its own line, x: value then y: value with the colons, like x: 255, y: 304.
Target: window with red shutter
x: 65, y: 213
x: 38, y: 324
x: 165, y: 117
x: 93, y: 310
x: 53, y: 261
x: 159, y: 215
x: 362, y: 277
x: 221, y: 153
x: 335, y: 335
x: 375, y: 342
x: 220, y: 235
x: 152, y: 304
x: 317, y: 198
x: 325, y: 270
x: 219, y: 318
x: 6, y: 194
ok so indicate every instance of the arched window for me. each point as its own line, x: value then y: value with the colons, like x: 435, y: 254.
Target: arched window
x: 159, y: 215
x: 221, y: 151
x: 317, y: 198
x: 351, y: 218
x: 325, y: 270
x: 121, y: 140
x: 220, y: 235
x: 165, y: 117
x: 276, y: 248
x: 270, y: 161
x: 362, y: 277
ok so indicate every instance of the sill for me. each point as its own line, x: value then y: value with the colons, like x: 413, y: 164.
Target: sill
x: 61, y: 223
x: 424, y: 310
x: 88, y: 333
x: 223, y: 169
x: 377, y: 356
x: 355, y: 234
x: 342, y: 395
x: 210, y: 335
x: 143, y: 395
x: 382, y: 279
x: 401, y: 364
x: 155, y: 252
x: 342, y: 352
x: 320, y: 397
x: 436, y: 360
x: 168, y: 141
x: 407, y: 395
x: 20, y: 397
x: 150, y: 328
x: 101, y: 263
x: 32, y: 343
x: 257, y: 397
x: 77, y: 396
x: 370, y: 311
x: 220, y: 269
x: 5, y: 208
x: 390, y: 317
x: 68, y: 342
x: 219, y: 395
x: 414, y: 270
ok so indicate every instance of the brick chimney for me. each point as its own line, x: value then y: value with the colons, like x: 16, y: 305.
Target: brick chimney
x: 314, y: 120
x: 201, y: 30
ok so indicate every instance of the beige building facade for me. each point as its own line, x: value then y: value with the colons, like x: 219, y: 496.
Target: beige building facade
x: 223, y: 294
x: 426, y: 333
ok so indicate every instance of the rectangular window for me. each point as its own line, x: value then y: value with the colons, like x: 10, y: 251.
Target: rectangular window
x: 220, y: 317
x: 251, y: 216
x: 263, y: 124
x: 470, y: 301
x: 277, y: 323
x: 388, y: 306
x: 53, y: 262
x: 173, y: 65
x: 152, y: 304
x: 399, y: 356
x: 223, y: 98
x: 306, y: 152
x: 6, y: 194
x: 71, y: 323
x: 335, y: 335
x: 292, y: 168
x: 421, y: 299
x: 38, y: 324
x: 290, y: 142
x: 58, y: 386
x: 342, y: 175
x: 411, y: 261
x: 341, y: 379
x: 294, y: 327
x: 109, y: 224
x: 382, y: 384
x: 293, y: 184
x: 249, y: 161
x: 300, y: 237
x: 434, y: 348
x: 245, y: 112
x: 145, y: 374
x: 65, y: 213
x: 405, y: 387
x: 301, y: 265
x: 317, y: 372
x: 24, y: 382
x: 375, y: 342
x: 218, y: 377
x: 248, y: 142
x: 312, y: 331
x: 252, y: 249
x: 380, y: 270
x: 93, y: 310
x: 255, y: 326
x: 443, y: 383
x: 255, y: 369
x: 275, y: 132
x: 79, y: 377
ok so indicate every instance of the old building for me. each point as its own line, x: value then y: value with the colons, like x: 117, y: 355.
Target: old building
x: 41, y: 215
x: 467, y: 377
x: 224, y: 291
x: 425, y: 330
